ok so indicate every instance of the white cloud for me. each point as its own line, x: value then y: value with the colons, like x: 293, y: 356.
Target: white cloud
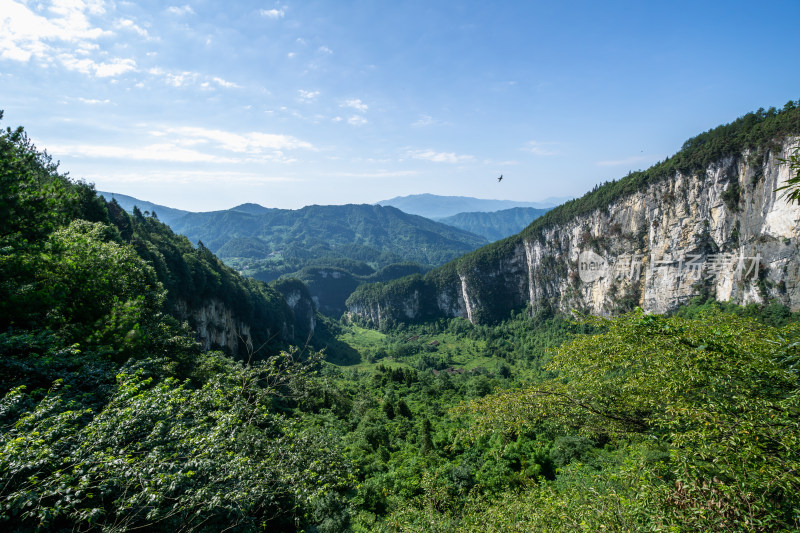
x: 307, y: 96
x: 151, y: 152
x: 272, y: 13
x: 440, y: 157
x: 376, y: 174
x: 181, y: 10
x: 131, y: 25
x: 540, y: 148
x: 424, y: 120
x: 290, y: 55
x: 194, y: 145
x: 186, y: 78
x: 115, y: 67
x: 250, y: 143
x: 356, y: 104
x: 181, y: 78
x: 324, y: 50
x: 62, y: 33
x: 93, y: 101
x: 357, y: 120
x: 226, y: 84
x: 188, y: 177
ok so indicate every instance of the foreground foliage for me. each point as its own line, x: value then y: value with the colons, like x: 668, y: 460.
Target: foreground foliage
x: 168, y: 455
x: 716, y: 396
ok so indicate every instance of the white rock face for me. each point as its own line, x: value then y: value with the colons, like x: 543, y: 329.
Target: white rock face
x: 215, y: 326
x: 723, y: 232
x: 675, y: 240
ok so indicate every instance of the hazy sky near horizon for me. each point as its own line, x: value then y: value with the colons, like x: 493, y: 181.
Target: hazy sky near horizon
x: 203, y: 105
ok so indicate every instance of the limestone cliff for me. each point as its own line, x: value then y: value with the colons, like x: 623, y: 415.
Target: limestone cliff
x: 216, y: 327
x: 718, y: 229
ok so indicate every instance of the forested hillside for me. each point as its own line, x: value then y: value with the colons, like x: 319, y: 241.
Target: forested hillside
x: 114, y: 418
x: 495, y: 225
x: 333, y: 249
x: 60, y: 238
x: 372, y: 234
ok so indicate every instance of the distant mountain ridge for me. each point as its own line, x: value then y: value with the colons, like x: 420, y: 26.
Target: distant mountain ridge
x: 437, y: 207
x: 165, y: 214
x: 366, y: 231
x: 331, y: 248
x: 495, y: 225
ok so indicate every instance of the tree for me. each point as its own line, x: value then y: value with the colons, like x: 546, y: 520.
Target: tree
x: 792, y: 186
x: 163, y: 455
x: 718, y: 391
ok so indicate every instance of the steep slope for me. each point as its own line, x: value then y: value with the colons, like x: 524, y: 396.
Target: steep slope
x: 85, y: 269
x: 495, y: 225
x: 165, y: 214
x: 435, y: 206
x: 226, y: 310
x: 705, y: 222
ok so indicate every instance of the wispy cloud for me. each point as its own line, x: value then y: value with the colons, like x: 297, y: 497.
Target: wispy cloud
x: 541, y: 148
x: 225, y: 83
x: 93, y: 101
x: 188, y: 78
x: 150, y: 152
x: 625, y: 161
x: 62, y: 34
x: 376, y: 174
x: 189, y: 177
x: 423, y: 120
x: 127, y: 24
x: 440, y: 157
x: 251, y: 143
x: 357, y: 120
x: 176, y: 79
x: 307, y: 96
x: 181, y: 10
x: 272, y: 13
x: 324, y: 50
x: 356, y: 104
x: 113, y: 68
x: 188, y: 144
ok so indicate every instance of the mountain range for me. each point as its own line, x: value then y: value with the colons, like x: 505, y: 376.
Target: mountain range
x: 438, y: 207
x: 333, y: 249
x: 495, y: 225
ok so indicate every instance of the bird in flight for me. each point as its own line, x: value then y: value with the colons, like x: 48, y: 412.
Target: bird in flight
x: 500, y: 178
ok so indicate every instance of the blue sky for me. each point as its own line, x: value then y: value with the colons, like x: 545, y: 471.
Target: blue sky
x: 204, y: 105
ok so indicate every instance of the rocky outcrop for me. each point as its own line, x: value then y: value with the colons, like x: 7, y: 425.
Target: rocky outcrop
x: 724, y: 232
x: 216, y: 327
x: 721, y: 231
x: 302, y: 306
